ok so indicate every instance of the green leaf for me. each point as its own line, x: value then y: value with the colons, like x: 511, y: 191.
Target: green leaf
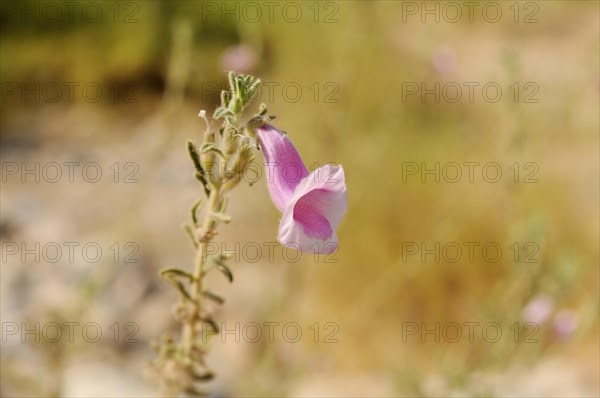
x: 211, y: 148
x: 231, y: 76
x: 212, y: 323
x: 225, y: 97
x: 195, y: 209
x: 221, y: 217
x: 216, y: 298
x: 262, y: 109
x: 239, y: 85
x: 204, y: 377
x: 235, y: 105
x: 223, y: 268
x: 252, y: 89
x: 195, y: 157
x: 205, y: 185
x: 222, y: 111
x: 190, y: 233
x: 170, y: 276
x: 226, y: 255
x: 168, y: 272
x: 200, y: 174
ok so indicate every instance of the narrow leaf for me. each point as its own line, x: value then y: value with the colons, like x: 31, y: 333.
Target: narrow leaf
x: 223, y: 268
x: 195, y: 157
x: 190, y: 233
x: 226, y: 255
x: 168, y: 272
x: 214, y: 297
x: 212, y: 148
x: 194, y: 211
x: 231, y: 77
x: 222, y: 111
x: 224, y: 97
x: 221, y: 217
x: 206, y: 376
x: 212, y: 323
x: 177, y: 284
x: 205, y: 185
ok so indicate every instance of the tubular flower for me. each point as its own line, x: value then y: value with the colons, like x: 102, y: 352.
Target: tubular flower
x: 312, y: 204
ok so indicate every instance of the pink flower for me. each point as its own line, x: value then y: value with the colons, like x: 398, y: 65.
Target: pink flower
x: 313, y: 204
x: 444, y: 60
x: 565, y: 324
x: 538, y: 309
x: 240, y: 58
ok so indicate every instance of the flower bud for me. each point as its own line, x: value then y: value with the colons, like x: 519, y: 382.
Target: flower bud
x: 239, y: 165
x: 229, y: 141
x: 208, y: 159
x: 225, y: 97
x: 245, y: 157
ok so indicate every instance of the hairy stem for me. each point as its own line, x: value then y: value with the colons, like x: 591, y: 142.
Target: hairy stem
x: 181, y: 364
x: 205, y: 231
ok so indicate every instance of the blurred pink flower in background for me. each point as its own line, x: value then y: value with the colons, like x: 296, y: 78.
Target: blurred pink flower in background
x: 565, y: 323
x: 444, y: 60
x: 240, y: 58
x: 313, y: 204
x: 538, y: 309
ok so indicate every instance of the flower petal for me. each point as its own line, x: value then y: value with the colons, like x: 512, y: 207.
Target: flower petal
x: 285, y: 168
x: 307, y: 212
x: 329, y: 179
x: 293, y: 234
x: 318, y: 206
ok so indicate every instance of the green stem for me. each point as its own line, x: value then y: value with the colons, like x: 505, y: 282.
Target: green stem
x: 207, y: 229
x: 188, y: 353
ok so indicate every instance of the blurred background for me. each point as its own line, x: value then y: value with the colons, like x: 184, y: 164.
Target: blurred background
x: 450, y: 279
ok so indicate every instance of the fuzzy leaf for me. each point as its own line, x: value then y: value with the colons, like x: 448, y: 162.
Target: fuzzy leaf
x: 195, y: 157
x: 190, y: 233
x: 205, y: 185
x: 223, y: 268
x: 222, y: 111
x: 221, y: 217
x: 211, y: 148
x: 169, y: 277
x: 168, y: 272
x: 212, y: 323
x: 225, y: 255
x: 203, y: 377
x: 194, y: 211
x: 214, y: 297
